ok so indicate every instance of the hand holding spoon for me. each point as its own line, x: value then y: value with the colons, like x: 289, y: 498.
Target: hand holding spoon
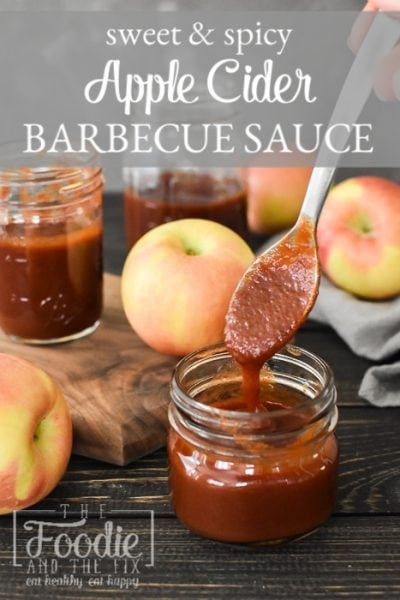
x: 278, y: 291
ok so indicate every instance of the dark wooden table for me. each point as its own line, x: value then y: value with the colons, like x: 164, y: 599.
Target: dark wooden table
x: 355, y: 555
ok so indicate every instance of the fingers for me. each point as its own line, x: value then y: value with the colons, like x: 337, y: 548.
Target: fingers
x: 361, y: 27
x: 387, y: 76
x: 386, y: 80
x: 365, y: 18
x: 372, y: 6
x: 385, y: 5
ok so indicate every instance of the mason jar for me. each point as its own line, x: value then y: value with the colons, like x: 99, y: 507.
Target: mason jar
x: 50, y: 246
x: 181, y: 186
x: 153, y: 196
x: 264, y: 477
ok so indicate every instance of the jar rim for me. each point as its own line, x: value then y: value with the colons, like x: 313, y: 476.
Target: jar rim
x: 76, y: 175
x: 246, y: 432
x: 289, y: 353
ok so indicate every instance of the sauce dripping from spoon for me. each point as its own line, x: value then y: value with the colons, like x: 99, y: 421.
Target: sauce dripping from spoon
x: 276, y: 294
x: 271, y: 302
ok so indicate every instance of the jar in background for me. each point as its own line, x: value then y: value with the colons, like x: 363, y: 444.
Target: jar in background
x: 265, y: 477
x: 181, y: 185
x: 153, y: 196
x: 50, y: 246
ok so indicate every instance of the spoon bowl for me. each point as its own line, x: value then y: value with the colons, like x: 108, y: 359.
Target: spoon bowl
x: 274, y: 296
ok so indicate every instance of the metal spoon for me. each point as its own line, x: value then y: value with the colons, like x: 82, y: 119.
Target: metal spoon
x: 278, y: 291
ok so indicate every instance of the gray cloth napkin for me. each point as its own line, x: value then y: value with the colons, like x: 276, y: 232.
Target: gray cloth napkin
x: 370, y: 329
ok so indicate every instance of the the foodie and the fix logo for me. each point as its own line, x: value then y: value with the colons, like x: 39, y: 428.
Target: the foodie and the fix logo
x: 76, y: 548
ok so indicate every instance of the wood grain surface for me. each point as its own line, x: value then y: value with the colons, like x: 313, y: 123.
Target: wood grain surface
x: 116, y: 386
x: 349, y: 557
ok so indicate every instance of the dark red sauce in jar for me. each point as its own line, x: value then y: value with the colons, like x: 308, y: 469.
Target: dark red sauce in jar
x: 259, y: 478
x: 51, y: 283
x: 252, y: 451
x: 51, y: 269
x: 181, y: 195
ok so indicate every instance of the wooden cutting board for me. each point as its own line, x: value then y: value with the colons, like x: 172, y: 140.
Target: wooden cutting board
x: 116, y: 386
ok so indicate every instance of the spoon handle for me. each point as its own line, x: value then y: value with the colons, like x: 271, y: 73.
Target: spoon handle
x: 317, y: 192
x: 381, y: 37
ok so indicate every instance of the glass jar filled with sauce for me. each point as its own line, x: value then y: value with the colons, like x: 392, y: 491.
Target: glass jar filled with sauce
x: 180, y: 185
x: 264, y: 477
x: 154, y: 196
x: 50, y: 246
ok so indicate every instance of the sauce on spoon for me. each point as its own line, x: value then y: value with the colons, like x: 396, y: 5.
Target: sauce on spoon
x: 271, y: 302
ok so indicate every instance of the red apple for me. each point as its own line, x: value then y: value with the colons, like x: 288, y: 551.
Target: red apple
x: 275, y: 196
x: 359, y: 237
x: 177, y: 283
x: 35, y: 434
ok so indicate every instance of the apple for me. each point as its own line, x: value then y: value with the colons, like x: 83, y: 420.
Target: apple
x: 35, y: 434
x: 177, y: 283
x: 359, y: 237
x: 274, y: 197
